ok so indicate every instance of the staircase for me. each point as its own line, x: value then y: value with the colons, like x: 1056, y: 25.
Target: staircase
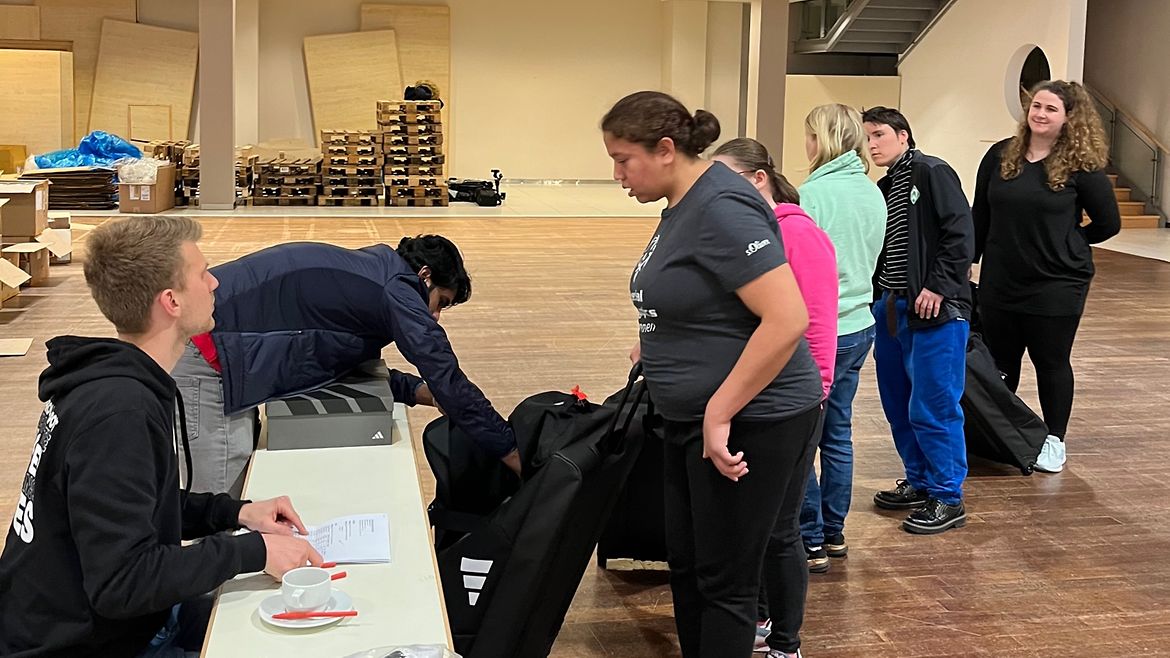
x: 873, y: 27
x: 1133, y: 213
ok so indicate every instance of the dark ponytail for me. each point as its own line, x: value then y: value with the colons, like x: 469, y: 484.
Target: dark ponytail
x: 753, y: 156
x: 444, y: 259
x: 646, y: 117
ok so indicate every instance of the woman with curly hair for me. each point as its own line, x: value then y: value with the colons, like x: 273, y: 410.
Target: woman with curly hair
x: 1037, y: 262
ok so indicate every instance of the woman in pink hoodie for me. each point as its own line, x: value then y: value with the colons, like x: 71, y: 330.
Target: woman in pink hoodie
x: 806, y: 245
x: 814, y: 265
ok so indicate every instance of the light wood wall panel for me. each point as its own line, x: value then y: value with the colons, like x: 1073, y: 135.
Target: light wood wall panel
x: 143, y: 65
x: 424, y: 49
x: 80, y: 21
x: 20, y: 22
x: 147, y: 122
x: 36, y: 99
x: 348, y: 74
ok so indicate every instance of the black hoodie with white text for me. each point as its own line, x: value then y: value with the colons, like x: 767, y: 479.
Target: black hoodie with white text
x: 93, y: 561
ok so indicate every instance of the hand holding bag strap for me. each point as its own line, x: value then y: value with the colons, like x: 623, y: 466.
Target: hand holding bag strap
x: 613, y: 439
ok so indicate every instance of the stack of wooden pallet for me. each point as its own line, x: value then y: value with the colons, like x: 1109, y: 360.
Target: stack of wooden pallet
x: 349, y: 173
x: 283, y: 181
x: 412, y: 146
x: 188, y: 175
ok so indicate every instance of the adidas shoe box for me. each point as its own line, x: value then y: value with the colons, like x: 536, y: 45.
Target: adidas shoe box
x: 356, y: 410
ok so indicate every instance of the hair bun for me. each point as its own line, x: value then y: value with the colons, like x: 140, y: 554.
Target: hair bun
x: 706, y: 131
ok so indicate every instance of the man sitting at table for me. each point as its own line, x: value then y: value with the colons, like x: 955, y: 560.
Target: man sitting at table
x: 295, y: 317
x: 99, y: 569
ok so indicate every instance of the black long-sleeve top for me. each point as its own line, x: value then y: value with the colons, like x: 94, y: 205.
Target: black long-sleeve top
x: 1035, y: 254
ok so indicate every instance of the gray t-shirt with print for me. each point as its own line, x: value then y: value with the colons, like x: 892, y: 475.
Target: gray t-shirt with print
x: 693, y: 327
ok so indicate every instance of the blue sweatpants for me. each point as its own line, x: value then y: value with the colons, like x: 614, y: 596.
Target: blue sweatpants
x: 920, y: 375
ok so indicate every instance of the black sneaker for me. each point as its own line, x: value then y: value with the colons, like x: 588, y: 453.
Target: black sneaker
x: 935, y: 517
x: 835, y: 545
x: 818, y: 559
x: 902, y: 496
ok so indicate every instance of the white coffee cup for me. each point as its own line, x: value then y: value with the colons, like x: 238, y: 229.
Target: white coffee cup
x: 306, y: 589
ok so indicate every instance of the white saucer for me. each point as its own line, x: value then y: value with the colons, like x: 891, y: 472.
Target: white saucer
x: 274, y: 605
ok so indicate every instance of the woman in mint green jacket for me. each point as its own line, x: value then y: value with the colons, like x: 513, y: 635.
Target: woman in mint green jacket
x: 844, y: 202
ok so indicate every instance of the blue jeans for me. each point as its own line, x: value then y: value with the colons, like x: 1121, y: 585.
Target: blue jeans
x: 827, y: 502
x: 920, y: 375
x: 182, y: 636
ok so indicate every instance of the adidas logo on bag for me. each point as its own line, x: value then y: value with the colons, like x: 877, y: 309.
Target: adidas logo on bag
x: 474, y: 583
x: 378, y: 436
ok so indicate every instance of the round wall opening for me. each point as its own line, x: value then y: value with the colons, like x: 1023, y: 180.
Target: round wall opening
x: 1027, y: 67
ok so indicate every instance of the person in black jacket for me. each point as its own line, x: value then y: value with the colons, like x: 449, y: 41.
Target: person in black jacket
x: 1037, y: 262
x: 93, y: 564
x: 295, y: 317
x: 922, y: 310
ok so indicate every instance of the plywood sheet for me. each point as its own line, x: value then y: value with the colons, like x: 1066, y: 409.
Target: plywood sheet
x: 424, y: 48
x: 80, y: 21
x: 149, y: 122
x: 20, y: 22
x: 36, y: 104
x: 348, y: 74
x: 143, y: 65
x: 15, y: 346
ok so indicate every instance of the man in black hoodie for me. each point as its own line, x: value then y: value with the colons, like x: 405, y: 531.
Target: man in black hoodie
x: 93, y: 563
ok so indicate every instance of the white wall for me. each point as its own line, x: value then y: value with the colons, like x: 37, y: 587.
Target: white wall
x: 725, y: 63
x: 804, y: 92
x: 531, y: 79
x: 957, y: 83
x: 1126, y: 50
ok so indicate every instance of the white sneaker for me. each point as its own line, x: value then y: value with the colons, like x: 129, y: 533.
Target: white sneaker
x: 1051, y: 458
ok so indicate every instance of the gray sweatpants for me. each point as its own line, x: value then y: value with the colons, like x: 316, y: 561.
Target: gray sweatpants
x: 220, y: 445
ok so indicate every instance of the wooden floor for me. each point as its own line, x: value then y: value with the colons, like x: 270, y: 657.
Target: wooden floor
x: 1075, y: 564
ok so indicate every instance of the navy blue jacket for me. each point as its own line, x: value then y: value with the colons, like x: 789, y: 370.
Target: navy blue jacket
x: 295, y: 317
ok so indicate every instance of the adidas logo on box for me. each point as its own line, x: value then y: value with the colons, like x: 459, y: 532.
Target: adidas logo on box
x: 378, y: 436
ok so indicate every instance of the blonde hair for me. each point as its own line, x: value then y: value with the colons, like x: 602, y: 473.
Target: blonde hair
x: 130, y: 261
x: 838, y: 130
x: 1082, y: 145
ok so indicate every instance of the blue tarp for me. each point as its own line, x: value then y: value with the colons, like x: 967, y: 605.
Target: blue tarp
x: 97, y: 149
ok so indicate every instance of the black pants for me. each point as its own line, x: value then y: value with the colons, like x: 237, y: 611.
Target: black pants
x: 1049, y: 342
x: 716, y: 529
x: 784, y: 581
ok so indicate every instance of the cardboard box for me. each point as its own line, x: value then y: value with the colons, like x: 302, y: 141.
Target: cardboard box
x: 12, y: 157
x: 59, y: 237
x: 356, y: 410
x: 149, y: 199
x: 11, y: 279
x: 27, y: 210
x: 32, y: 257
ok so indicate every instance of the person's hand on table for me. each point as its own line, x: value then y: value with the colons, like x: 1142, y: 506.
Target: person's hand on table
x: 287, y: 553
x: 274, y: 516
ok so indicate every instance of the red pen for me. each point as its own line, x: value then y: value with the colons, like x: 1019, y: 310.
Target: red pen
x: 314, y: 615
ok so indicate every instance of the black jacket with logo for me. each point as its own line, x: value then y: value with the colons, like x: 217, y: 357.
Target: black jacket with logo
x: 942, y: 239
x: 93, y: 563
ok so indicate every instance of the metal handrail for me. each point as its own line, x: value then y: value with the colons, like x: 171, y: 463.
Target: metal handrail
x: 831, y: 34
x: 1119, y: 118
x: 1139, y: 129
x: 926, y: 29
